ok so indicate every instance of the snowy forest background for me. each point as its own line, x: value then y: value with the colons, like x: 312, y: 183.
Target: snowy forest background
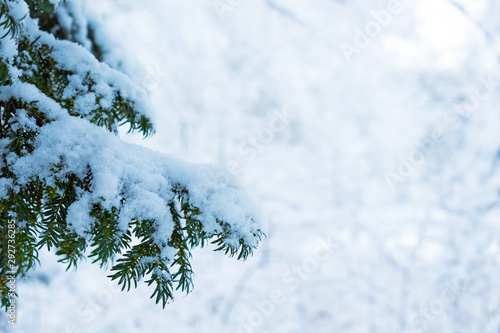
x: 381, y: 183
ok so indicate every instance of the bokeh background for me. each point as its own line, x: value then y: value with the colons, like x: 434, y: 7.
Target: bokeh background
x: 369, y: 133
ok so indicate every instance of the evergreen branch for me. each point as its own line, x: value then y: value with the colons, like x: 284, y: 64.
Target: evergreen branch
x: 132, y: 268
x: 53, y: 221
x: 8, y: 22
x: 163, y: 290
x: 106, y: 239
x: 39, y: 206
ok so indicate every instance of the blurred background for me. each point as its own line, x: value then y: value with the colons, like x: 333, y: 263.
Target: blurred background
x: 369, y: 133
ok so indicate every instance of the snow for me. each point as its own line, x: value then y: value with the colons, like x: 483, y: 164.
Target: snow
x: 419, y: 257
x: 145, y: 178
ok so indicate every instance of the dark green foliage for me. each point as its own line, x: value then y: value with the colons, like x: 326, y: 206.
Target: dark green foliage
x: 11, y: 25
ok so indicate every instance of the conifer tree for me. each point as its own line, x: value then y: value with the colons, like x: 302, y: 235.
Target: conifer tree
x: 69, y: 184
